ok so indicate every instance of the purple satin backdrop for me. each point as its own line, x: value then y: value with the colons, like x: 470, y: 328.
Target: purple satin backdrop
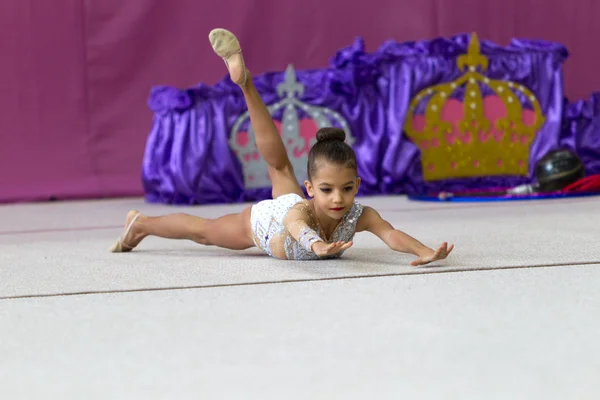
x: 188, y: 159
x: 581, y: 131
x: 410, y: 67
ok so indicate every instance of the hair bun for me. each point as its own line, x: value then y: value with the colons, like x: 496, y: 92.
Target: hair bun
x: 325, y: 134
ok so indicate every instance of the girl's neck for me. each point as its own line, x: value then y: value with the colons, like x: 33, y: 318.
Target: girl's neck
x: 325, y: 222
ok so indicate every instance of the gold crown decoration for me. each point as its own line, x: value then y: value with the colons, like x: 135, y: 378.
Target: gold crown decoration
x: 473, y: 150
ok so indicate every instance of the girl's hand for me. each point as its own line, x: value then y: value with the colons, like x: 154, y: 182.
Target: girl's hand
x: 431, y: 256
x: 323, y: 249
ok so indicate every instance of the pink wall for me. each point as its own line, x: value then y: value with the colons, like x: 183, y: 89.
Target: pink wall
x: 75, y: 74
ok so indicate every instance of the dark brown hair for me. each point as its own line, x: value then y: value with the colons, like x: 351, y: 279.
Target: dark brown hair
x: 330, y: 147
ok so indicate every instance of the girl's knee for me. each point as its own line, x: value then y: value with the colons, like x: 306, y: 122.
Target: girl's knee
x: 201, y: 233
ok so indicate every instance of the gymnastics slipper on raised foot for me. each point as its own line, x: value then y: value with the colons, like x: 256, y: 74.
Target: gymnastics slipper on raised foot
x: 227, y: 46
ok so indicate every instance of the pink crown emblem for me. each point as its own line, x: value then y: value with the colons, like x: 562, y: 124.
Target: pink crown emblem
x: 298, y: 133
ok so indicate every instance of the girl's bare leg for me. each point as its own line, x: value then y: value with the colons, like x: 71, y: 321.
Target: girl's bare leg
x: 230, y: 231
x: 269, y: 143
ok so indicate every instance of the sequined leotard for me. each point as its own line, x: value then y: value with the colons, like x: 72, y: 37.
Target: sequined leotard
x: 267, y: 217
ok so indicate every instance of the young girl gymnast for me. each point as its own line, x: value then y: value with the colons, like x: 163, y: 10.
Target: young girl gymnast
x: 288, y: 227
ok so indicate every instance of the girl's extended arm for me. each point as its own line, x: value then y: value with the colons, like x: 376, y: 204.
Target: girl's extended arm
x: 371, y: 221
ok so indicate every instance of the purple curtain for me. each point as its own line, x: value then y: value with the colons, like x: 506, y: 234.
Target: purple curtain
x: 581, y: 131
x: 407, y: 68
x: 189, y: 157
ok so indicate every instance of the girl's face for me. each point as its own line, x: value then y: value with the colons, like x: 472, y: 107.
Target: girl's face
x: 333, y: 189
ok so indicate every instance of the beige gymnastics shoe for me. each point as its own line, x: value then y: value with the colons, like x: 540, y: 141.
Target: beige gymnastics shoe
x: 121, y: 245
x: 227, y: 46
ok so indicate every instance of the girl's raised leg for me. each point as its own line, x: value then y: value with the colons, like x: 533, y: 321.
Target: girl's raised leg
x: 269, y: 143
x: 230, y: 231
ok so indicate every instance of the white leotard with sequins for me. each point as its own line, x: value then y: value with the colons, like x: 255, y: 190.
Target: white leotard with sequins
x: 267, y: 216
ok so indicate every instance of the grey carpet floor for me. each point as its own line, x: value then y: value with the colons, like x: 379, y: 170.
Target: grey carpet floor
x: 73, y: 238
x: 511, y: 314
x: 504, y: 334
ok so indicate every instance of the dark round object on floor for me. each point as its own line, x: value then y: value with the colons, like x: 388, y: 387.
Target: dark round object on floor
x: 558, y: 169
